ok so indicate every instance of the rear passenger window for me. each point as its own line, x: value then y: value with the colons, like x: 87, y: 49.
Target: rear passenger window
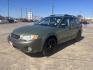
x: 77, y: 21
x: 64, y: 23
x: 72, y: 21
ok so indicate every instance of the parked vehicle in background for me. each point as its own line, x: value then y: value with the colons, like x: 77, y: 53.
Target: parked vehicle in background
x: 24, y: 20
x: 10, y: 20
x: 84, y: 22
x: 16, y: 20
x: 0, y: 21
x: 46, y: 34
x: 3, y: 21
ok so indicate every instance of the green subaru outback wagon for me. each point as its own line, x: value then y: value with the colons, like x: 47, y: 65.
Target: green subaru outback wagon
x: 46, y: 34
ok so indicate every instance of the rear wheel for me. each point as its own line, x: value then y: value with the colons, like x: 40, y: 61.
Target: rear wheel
x: 49, y: 46
x: 78, y: 35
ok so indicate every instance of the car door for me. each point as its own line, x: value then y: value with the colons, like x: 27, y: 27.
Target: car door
x: 64, y: 30
x: 73, y: 27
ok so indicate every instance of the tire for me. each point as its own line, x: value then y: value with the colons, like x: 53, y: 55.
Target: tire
x: 49, y: 46
x: 78, y: 35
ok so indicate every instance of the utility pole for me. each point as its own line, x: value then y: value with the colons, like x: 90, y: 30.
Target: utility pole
x: 26, y: 13
x: 91, y: 15
x: 53, y: 7
x: 32, y: 14
x: 8, y: 9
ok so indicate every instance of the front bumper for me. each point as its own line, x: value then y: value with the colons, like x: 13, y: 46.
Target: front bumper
x: 27, y: 46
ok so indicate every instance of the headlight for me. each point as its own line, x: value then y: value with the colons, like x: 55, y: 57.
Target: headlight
x: 28, y: 38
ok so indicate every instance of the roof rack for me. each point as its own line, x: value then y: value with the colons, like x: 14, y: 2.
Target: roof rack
x: 61, y: 15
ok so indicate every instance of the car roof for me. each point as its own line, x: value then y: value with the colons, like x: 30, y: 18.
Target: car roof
x: 62, y: 15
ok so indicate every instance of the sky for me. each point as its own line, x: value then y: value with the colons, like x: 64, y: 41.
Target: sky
x: 43, y: 7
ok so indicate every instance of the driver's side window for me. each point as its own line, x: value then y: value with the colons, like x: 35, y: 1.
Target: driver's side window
x: 64, y: 23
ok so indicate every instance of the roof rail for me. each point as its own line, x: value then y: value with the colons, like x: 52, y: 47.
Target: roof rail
x: 65, y: 15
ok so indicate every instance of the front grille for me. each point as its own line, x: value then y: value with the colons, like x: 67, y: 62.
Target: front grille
x: 15, y: 36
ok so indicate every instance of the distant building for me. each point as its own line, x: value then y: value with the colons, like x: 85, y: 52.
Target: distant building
x: 29, y: 15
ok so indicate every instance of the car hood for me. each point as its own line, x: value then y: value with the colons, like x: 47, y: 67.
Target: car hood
x: 34, y: 29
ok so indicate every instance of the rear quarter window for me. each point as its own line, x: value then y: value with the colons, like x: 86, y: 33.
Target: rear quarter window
x: 74, y: 21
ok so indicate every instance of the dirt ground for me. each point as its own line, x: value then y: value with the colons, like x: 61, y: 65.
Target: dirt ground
x: 69, y: 56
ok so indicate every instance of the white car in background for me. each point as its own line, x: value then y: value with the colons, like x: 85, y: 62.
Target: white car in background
x: 3, y: 21
x: 0, y: 21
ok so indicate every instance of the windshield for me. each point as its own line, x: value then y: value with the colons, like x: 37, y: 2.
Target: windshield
x: 50, y: 21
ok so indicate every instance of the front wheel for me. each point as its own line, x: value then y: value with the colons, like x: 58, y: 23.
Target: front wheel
x: 49, y: 46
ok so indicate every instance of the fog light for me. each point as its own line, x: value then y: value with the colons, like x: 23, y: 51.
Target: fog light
x: 29, y: 49
x: 10, y: 43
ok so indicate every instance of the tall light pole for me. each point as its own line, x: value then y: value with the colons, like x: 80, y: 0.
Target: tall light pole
x: 21, y: 13
x: 53, y: 7
x: 26, y: 13
x: 8, y: 9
